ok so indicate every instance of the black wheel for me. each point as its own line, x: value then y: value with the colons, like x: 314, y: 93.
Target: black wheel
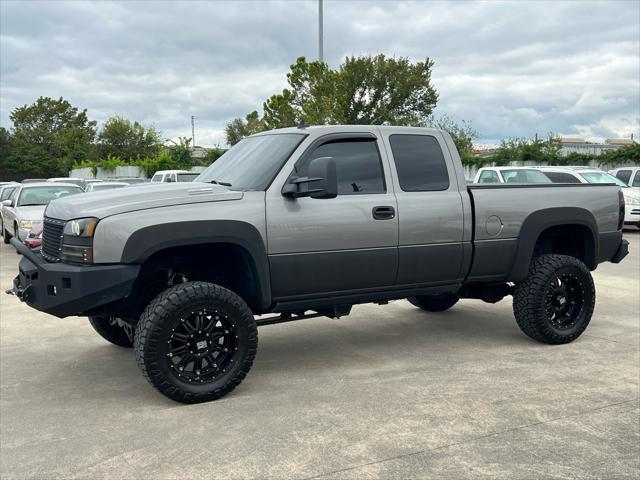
x: 6, y: 236
x: 435, y: 303
x: 555, y: 302
x: 196, y: 342
x: 16, y: 232
x: 113, y: 330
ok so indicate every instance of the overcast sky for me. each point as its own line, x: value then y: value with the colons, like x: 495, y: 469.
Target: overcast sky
x: 511, y: 68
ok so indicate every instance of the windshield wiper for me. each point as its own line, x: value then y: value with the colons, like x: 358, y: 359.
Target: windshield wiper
x: 218, y: 182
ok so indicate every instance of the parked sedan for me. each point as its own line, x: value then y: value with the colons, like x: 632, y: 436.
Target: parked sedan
x: 75, y: 181
x: 510, y: 175
x: 97, y: 186
x: 594, y: 175
x: 629, y: 175
x: 5, y: 192
x: 25, y: 207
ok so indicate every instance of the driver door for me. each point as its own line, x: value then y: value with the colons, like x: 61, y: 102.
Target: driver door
x: 341, y: 244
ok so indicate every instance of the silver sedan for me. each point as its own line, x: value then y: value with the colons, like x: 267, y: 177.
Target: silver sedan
x: 25, y: 207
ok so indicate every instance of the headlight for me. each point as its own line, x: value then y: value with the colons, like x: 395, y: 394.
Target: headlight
x: 77, y: 240
x: 631, y: 200
x: 82, y: 227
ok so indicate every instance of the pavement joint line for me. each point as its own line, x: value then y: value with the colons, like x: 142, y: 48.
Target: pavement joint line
x: 611, y: 340
x: 471, y: 440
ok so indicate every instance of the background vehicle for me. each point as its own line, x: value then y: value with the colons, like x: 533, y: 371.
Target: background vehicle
x: 34, y: 238
x: 629, y: 175
x: 173, y: 176
x: 129, y: 180
x: 6, y: 190
x: 304, y: 222
x: 596, y: 176
x: 25, y: 207
x: 94, y: 187
x: 75, y: 181
x: 510, y: 175
x: 33, y: 180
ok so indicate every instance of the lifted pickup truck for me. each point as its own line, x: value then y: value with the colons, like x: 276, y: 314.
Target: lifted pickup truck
x: 309, y: 221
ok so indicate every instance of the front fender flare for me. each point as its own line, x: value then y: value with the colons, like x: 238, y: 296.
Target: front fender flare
x: 152, y: 239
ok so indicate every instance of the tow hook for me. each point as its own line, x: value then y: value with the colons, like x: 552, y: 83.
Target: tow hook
x: 10, y: 291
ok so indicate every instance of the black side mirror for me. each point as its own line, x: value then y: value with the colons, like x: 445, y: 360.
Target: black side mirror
x: 322, y: 181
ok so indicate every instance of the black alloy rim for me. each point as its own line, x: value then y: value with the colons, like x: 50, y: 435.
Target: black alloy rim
x: 564, y: 300
x: 202, y: 345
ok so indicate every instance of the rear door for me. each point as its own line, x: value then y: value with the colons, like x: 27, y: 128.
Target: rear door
x: 336, y: 245
x: 430, y: 209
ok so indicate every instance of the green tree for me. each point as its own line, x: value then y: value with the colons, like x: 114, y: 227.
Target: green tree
x: 363, y: 90
x: 463, y: 134
x: 48, y: 137
x: 181, y: 153
x: 120, y: 137
x: 239, y: 128
x: 5, y: 146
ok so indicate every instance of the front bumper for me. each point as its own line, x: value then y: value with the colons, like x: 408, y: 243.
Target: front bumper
x: 62, y: 290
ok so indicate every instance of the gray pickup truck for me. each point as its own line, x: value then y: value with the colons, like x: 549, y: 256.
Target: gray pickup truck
x: 303, y: 222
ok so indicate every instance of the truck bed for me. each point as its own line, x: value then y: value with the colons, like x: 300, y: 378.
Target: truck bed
x: 509, y: 218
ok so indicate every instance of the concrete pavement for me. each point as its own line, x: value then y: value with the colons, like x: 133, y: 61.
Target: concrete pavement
x: 387, y: 392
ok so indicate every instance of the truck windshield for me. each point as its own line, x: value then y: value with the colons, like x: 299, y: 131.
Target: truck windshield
x: 602, y: 177
x: 253, y: 162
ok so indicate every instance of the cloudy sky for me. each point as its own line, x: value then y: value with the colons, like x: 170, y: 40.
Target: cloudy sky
x: 511, y: 68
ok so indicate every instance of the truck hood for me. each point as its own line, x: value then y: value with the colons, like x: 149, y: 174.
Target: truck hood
x: 105, y: 203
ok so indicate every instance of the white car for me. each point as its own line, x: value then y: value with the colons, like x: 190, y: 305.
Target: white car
x: 75, y: 181
x: 629, y: 175
x: 510, y: 175
x: 173, y: 176
x: 99, y: 186
x: 6, y: 189
x: 25, y: 207
x: 594, y: 175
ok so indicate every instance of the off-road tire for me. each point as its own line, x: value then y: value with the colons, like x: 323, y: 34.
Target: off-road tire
x: 163, y: 316
x: 108, y: 328
x: 435, y: 303
x: 529, y: 299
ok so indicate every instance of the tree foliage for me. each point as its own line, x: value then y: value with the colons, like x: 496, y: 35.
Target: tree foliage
x: 122, y: 138
x: 368, y: 90
x: 463, y: 134
x: 48, y: 137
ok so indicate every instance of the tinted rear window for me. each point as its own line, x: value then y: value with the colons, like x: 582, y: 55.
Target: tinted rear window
x: 420, y: 163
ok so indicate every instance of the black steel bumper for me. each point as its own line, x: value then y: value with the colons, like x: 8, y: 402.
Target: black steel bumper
x: 63, y: 290
x: 623, y: 251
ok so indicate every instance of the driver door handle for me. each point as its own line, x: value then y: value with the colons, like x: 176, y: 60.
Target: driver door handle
x: 384, y: 213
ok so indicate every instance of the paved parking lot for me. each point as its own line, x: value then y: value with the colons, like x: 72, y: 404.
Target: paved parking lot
x: 388, y: 392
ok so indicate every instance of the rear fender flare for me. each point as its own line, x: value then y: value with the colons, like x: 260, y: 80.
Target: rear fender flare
x: 537, y: 222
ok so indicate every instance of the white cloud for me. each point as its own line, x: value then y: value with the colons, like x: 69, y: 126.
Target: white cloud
x: 512, y: 68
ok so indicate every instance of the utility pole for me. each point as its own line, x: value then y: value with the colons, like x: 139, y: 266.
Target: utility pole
x: 320, y: 46
x: 193, y: 132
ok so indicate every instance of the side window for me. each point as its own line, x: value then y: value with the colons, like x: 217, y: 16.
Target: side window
x: 636, y: 179
x: 14, y: 195
x: 420, y: 163
x: 559, y: 177
x: 624, y: 175
x: 157, y: 177
x: 358, y: 165
x: 489, y: 176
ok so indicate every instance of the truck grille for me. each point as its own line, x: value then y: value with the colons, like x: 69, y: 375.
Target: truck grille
x: 52, y: 239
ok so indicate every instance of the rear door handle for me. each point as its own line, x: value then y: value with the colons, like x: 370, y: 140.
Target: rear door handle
x: 384, y: 213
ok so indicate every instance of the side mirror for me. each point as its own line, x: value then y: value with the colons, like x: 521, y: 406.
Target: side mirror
x: 322, y: 181
x: 7, y: 203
